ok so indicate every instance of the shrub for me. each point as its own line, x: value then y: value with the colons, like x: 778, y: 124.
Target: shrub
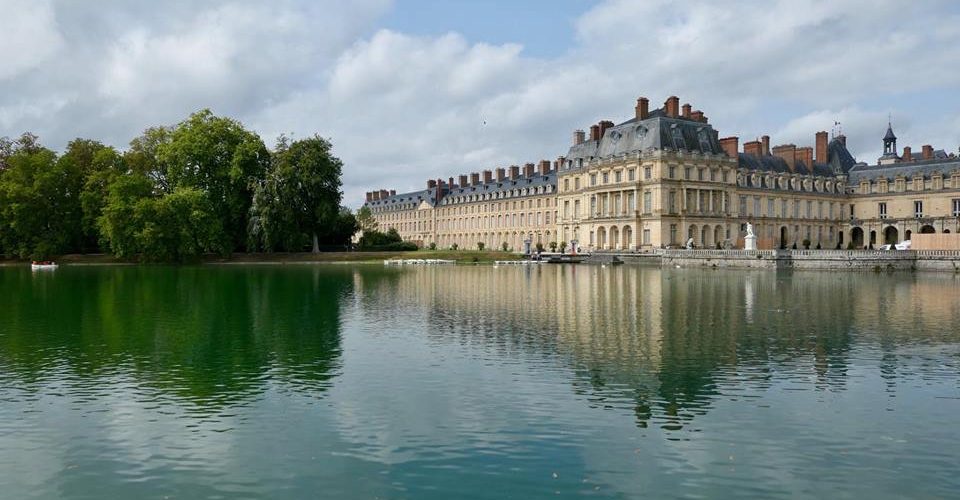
x: 562, y: 246
x: 480, y: 245
x: 553, y: 246
x: 539, y: 247
x: 433, y: 246
x: 806, y: 244
x: 504, y: 246
x: 454, y: 246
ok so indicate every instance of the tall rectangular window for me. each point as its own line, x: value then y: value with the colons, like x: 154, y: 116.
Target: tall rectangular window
x: 606, y: 178
x: 672, y: 172
x: 576, y: 183
x: 687, y: 174
x: 566, y: 208
x: 646, y: 236
x: 632, y: 174
x: 618, y: 176
x: 770, y: 208
x: 576, y: 209
x: 756, y: 206
x: 956, y: 207
x: 882, y: 209
x: 918, y: 209
x: 783, y: 208
x: 647, y: 173
x: 593, y: 179
x: 631, y: 201
x: 672, y: 198
x: 809, y: 209
x: 566, y: 184
x: 647, y: 202
x: 743, y: 206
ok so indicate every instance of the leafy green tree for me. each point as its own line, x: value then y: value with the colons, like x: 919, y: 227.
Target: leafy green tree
x: 179, y: 226
x: 39, y: 202
x: 88, y: 165
x: 217, y: 156
x: 298, y: 202
x: 118, y: 224
x: 365, y: 220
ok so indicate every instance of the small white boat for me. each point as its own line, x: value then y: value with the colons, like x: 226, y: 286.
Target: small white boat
x: 43, y: 265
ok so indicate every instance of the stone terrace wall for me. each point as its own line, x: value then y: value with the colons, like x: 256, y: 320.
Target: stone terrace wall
x: 845, y: 260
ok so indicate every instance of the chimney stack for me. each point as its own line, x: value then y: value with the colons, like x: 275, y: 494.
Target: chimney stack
x: 765, y: 145
x: 805, y: 155
x: 514, y: 172
x: 487, y: 176
x: 643, y: 108
x: 463, y: 181
x: 528, y: 170
x: 753, y: 148
x: 384, y: 194
x: 604, y: 125
x: 927, y: 152
x: 730, y: 146
x: 697, y: 116
x: 501, y: 174
x: 594, y: 132
x: 579, y: 137
x: 431, y: 184
x: 450, y: 183
x: 393, y: 192
x: 789, y: 154
x: 369, y: 196
x: 907, y: 154
x: 672, y: 106
x: 544, y: 167
x: 475, y: 178
x: 686, y: 110
x: 561, y: 162
x: 822, y: 151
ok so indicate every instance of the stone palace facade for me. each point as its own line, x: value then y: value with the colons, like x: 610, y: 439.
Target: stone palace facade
x: 665, y: 176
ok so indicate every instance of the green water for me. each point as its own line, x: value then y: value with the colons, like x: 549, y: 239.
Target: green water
x: 345, y: 381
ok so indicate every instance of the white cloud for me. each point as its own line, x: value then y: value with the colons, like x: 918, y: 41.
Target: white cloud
x: 29, y: 36
x: 402, y: 108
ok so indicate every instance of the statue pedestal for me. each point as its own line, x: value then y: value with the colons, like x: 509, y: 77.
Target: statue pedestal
x: 750, y: 242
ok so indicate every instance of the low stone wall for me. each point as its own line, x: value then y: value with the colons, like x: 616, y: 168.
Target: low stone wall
x: 847, y: 260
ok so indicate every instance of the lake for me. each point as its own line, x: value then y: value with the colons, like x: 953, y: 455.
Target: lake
x: 360, y: 381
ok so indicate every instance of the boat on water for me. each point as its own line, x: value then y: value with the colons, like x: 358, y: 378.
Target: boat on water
x: 39, y: 265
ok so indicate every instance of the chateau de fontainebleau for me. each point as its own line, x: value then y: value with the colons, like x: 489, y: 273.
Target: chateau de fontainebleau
x: 665, y: 176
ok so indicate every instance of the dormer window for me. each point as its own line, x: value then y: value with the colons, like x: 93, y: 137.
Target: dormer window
x: 678, y: 141
x: 704, y: 137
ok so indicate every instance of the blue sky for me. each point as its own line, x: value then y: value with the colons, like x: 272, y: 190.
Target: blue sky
x: 545, y: 28
x: 409, y: 90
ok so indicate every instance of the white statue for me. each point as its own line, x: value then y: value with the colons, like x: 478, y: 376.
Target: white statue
x: 690, y: 243
x: 750, y: 240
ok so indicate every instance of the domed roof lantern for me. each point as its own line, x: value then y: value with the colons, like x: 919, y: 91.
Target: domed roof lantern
x: 889, y: 141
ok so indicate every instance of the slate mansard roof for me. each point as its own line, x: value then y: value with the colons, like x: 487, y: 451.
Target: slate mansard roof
x: 943, y: 165
x: 525, y: 186
x: 655, y: 132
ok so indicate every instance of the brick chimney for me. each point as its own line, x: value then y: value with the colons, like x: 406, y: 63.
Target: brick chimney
x: 643, y: 108
x: 687, y: 108
x: 765, y: 145
x: 805, y: 155
x: 475, y: 178
x: 514, y: 172
x: 789, y: 154
x: 604, y: 125
x: 927, y: 152
x: 907, y: 154
x: 375, y: 195
x: 730, y: 146
x: 369, y: 196
x: 487, y: 176
x: 450, y: 183
x: 672, y: 106
x: 544, y: 167
x: 501, y: 174
x: 697, y: 116
x: 393, y: 192
x: 842, y: 139
x: 594, y: 132
x: 822, y: 151
x: 753, y: 148
x: 431, y: 184
x: 384, y: 194
x: 528, y: 170
x: 463, y: 181
x: 579, y: 137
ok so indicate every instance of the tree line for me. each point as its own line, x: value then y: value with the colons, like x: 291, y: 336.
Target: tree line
x: 204, y: 186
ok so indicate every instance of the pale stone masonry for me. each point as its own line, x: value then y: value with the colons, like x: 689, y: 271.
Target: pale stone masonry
x: 665, y: 177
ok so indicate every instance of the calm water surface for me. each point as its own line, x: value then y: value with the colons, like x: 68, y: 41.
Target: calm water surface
x: 477, y: 382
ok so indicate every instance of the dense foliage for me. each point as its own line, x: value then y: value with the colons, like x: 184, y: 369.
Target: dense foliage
x: 206, y: 185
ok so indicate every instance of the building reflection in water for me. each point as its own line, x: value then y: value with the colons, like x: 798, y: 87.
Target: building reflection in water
x: 665, y: 344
